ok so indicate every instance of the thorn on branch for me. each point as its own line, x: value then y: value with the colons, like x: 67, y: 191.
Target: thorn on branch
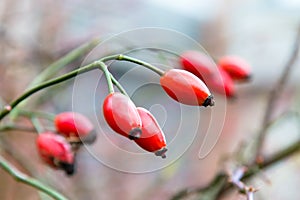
x: 8, y: 107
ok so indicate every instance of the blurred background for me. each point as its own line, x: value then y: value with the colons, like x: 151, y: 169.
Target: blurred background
x: 35, y: 33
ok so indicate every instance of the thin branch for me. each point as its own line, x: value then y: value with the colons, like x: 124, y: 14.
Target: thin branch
x: 235, y: 179
x: 52, y: 69
x: 122, y: 57
x: 102, y: 66
x: 37, y: 125
x: 37, y: 114
x: 275, y: 93
x: 8, y: 108
x: 250, y: 194
x: 278, y: 157
x: 12, y: 127
x: 222, y: 178
x: 55, y: 67
x: 118, y: 85
x: 21, y: 177
x: 255, y: 168
x: 218, y: 181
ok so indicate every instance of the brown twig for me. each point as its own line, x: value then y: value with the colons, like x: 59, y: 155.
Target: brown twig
x: 255, y: 168
x: 221, y: 180
x: 275, y: 93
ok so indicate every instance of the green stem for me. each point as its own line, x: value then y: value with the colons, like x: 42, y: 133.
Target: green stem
x: 155, y: 50
x: 133, y: 60
x: 12, y: 127
x: 36, y: 114
x: 49, y: 83
x: 103, y: 67
x: 97, y: 64
x: 52, y: 69
x: 118, y: 85
x: 37, y: 125
x: 19, y: 176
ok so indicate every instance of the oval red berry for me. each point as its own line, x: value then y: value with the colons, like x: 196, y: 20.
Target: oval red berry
x: 121, y: 115
x: 186, y: 88
x: 237, y: 68
x: 56, y: 151
x: 76, y: 125
x: 197, y: 63
x: 222, y: 83
x: 152, y: 138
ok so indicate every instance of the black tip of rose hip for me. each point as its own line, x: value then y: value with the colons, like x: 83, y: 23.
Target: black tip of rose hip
x: 209, y: 101
x: 68, y: 168
x: 161, y: 152
x: 135, y: 133
x: 90, y: 138
x: 249, y: 77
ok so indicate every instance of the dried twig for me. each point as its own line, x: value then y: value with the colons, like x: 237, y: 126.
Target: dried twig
x: 235, y: 180
x: 275, y: 93
x: 221, y: 180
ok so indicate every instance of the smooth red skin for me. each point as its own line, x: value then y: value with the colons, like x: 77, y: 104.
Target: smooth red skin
x: 222, y: 83
x: 237, y: 68
x: 184, y: 87
x: 152, y: 138
x: 197, y: 63
x: 73, y: 124
x: 51, y: 145
x: 121, y: 114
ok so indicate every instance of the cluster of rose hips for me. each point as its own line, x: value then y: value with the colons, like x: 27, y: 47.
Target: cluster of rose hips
x: 230, y: 69
x: 187, y: 86
x: 59, y: 149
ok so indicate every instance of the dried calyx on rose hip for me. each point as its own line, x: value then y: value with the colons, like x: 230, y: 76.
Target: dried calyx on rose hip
x: 75, y: 127
x: 152, y: 138
x: 186, y: 88
x: 198, y: 63
x: 56, y: 152
x: 237, y: 68
x: 122, y: 116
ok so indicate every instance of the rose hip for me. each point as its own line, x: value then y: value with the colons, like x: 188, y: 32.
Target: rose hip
x: 121, y: 115
x: 152, y: 138
x: 186, y: 88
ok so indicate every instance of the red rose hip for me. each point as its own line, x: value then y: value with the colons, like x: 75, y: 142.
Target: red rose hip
x: 121, y: 115
x: 56, y: 151
x: 152, y: 138
x: 237, y: 68
x: 197, y: 63
x: 186, y: 88
x: 75, y: 127
x: 222, y: 84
